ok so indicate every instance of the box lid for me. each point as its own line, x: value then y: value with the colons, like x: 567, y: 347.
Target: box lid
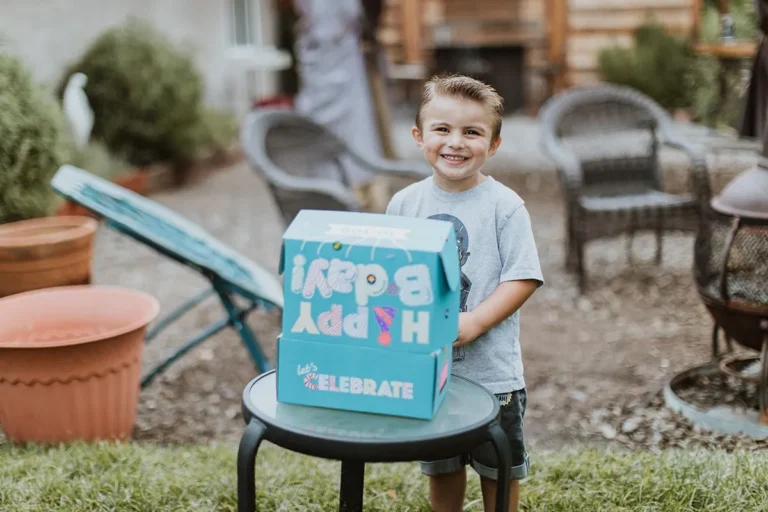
x: 386, y: 231
x: 379, y: 231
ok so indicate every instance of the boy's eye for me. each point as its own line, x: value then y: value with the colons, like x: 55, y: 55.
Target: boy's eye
x: 472, y: 132
x: 442, y: 129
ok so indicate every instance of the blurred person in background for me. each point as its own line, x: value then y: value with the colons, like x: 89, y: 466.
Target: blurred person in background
x: 756, y: 108
x: 334, y: 88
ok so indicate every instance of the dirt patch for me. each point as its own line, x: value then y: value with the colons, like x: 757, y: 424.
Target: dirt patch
x: 636, y: 325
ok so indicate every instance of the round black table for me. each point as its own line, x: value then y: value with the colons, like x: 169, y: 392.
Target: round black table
x: 467, y: 418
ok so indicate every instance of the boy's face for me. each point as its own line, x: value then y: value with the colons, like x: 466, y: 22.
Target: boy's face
x: 455, y: 136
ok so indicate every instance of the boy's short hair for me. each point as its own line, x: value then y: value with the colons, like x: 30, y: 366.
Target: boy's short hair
x: 464, y: 87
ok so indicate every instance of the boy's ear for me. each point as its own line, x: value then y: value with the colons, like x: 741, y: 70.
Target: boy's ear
x: 494, y: 146
x: 417, y: 136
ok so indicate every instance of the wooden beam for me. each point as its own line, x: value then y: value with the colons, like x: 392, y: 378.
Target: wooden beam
x: 695, y: 20
x: 735, y: 51
x: 620, y: 31
x: 556, y: 11
x: 411, y: 21
x: 527, y: 38
x: 648, y: 5
x: 625, y: 19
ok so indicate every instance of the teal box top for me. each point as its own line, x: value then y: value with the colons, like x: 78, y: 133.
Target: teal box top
x: 370, y: 280
x: 370, y: 380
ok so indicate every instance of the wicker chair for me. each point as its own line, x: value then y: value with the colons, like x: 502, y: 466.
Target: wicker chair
x: 304, y: 163
x: 604, y: 140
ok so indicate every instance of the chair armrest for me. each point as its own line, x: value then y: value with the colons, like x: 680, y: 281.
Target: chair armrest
x: 697, y: 156
x: 257, y: 158
x: 416, y: 169
x: 331, y: 188
x: 567, y: 164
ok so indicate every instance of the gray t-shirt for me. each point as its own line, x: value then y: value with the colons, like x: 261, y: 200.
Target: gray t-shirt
x: 496, y: 244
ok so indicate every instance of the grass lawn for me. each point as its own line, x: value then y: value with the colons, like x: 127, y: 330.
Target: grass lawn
x: 139, y: 477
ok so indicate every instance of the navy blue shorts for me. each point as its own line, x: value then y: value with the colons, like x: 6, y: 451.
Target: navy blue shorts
x: 483, y: 459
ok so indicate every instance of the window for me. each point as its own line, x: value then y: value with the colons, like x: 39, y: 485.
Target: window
x: 246, y: 17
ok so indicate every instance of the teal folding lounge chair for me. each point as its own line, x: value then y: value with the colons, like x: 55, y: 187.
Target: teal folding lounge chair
x: 230, y: 274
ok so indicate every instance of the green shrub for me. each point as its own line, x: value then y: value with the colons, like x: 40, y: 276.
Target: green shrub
x: 145, y: 92
x: 658, y: 64
x: 217, y: 130
x: 33, y: 143
x: 97, y: 159
x: 705, y: 91
x: 744, y: 18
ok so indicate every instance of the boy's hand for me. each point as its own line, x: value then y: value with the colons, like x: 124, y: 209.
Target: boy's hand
x: 469, y: 329
x: 503, y: 302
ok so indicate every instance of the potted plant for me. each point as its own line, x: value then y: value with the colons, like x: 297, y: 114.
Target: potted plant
x: 34, y: 142
x: 162, y: 126
x: 658, y: 64
x: 96, y: 158
x: 45, y: 252
x: 145, y: 120
x: 36, y: 251
x: 70, y: 362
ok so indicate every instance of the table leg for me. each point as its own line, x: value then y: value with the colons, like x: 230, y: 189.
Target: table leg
x: 246, y: 461
x: 351, y: 494
x: 504, y: 452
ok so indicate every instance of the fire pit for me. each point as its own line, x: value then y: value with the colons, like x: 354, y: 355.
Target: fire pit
x: 731, y: 272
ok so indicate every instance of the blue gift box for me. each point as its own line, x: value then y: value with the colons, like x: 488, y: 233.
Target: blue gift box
x: 370, y: 280
x: 370, y: 312
x: 372, y: 380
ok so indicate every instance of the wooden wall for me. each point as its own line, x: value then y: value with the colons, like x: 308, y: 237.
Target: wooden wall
x: 595, y: 24
x: 562, y: 37
x: 410, y: 27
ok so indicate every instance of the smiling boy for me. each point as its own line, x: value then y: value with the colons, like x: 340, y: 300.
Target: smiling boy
x: 458, y: 127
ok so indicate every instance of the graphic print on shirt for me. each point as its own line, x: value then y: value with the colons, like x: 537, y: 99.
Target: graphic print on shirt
x: 462, y: 245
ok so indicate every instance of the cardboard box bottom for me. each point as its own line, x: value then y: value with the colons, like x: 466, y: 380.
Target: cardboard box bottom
x: 372, y: 380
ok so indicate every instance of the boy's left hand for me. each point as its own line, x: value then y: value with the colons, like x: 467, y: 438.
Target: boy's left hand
x: 469, y: 329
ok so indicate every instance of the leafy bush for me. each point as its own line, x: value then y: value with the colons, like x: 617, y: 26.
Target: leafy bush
x: 145, y: 93
x: 217, y: 130
x: 659, y: 65
x: 97, y: 159
x: 33, y: 143
x: 667, y: 70
x: 744, y: 18
x: 705, y: 92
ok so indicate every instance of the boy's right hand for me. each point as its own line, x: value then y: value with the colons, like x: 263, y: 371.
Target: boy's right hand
x: 469, y: 329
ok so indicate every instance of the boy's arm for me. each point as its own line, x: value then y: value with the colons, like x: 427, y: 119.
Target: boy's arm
x: 502, y: 303
x: 520, y: 277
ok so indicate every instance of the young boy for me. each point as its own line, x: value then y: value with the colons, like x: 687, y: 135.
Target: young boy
x: 458, y: 127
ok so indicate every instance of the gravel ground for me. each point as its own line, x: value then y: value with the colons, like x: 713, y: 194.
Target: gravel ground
x: 592, y: 361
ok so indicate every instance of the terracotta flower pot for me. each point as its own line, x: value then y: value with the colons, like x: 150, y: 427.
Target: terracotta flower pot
x: 70, y: 362
x: 69, y: 209
x: 134, y: 180
x: 45, y: 252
